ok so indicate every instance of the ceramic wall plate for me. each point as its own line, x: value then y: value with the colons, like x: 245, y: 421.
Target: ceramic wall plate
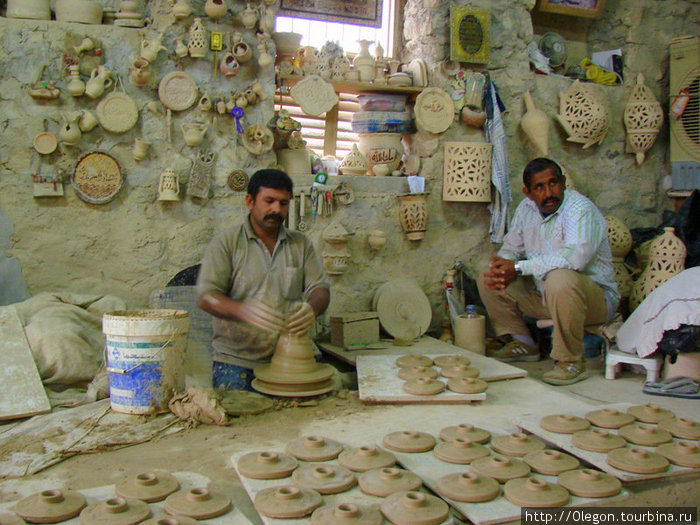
x: 434, y: 110
x: 178, y: 91
x: 97, y: 177
x: 314, y: 95
x: 117, y: 112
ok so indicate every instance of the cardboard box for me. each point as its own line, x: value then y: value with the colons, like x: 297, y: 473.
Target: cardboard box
x: 350, y: 330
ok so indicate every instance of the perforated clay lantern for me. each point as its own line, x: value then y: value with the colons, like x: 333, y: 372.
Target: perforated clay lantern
x: 583, y: 114
x: 620, y: 240
x: 643, y: 120
x: 467, y: 168
x: 413, y: 214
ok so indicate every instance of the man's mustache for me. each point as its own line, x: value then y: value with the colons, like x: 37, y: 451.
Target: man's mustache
x: 275, y: 216
x: 552, y: 200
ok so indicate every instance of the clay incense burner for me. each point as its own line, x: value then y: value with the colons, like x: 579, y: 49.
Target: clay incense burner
x: 467, y: 431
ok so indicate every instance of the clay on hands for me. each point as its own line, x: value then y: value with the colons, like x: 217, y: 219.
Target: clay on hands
x: 261, y: 316
x: 301, y: 320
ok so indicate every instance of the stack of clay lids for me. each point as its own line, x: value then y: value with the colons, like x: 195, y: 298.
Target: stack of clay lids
x: 287, y: 501
x: 467, y: 431
x: 517, y: 444
x: 609, y: 418
x: 199, y: 503
x: 349, y: 513
x: 681, y: 427
x: 414, y: 507
x: 637, y: 460
x: 597, y: 440
x: 646, y: 435
x: 564, y: 423
x: 551, y: 462
x: 589, y: 483
x: 500, y: 468
x: 324, y: 478
x: 681, y: 453
x: 314, y: 448
x: 535, y: 492
x: 385, y: 481
x: 361, y: 459
x: 461, y: 451
x: 468, y: 487
x: 50, y: 506
x: 121, y: 511
x: 266, y: 465
x: 403, y: 309
x: 650, y: 413
x: 147, y: 486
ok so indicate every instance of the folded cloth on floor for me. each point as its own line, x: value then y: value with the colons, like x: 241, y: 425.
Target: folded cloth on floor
x: 685, y: 387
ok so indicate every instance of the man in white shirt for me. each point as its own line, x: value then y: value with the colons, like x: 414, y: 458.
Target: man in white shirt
x: 555, y: 263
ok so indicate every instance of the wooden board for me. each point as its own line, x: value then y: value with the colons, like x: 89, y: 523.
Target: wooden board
x: 531, y: 424
x: 23, y: 393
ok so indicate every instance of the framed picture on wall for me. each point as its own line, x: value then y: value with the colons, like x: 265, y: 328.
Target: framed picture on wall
x: 358, y: 12
x: 584, y: 8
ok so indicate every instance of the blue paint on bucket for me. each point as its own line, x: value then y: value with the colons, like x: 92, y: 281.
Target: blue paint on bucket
x: 138, y: 384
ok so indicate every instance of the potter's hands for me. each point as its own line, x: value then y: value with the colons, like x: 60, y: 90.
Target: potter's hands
x: 261, y: 316
x: 302, y: 319
x: 501, y: 273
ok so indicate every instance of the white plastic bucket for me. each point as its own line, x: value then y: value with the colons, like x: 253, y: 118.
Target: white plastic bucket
x: 145, y: 356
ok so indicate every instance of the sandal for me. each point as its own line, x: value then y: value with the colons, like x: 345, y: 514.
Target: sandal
x: 685, y: 387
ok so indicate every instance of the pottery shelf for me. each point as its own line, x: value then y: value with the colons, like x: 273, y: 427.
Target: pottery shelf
x: 345, y: 86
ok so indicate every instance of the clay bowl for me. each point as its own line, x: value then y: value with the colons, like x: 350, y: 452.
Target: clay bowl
x: 45, y: 143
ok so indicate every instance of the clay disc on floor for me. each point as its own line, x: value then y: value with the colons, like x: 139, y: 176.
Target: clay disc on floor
x: 147, y: 486
x: 500, y: 468
x: 388, y: 480
x: 564, y: 423
x: 682, y: 453
x: 414, y: 508
x: 459, y: 371
x: 314, y: 448
x: 361, y: 459
x: 403, y: 309
x: 450, y: 360
x: 589, y: 483
x: 347, y: 514
x: 646, y: 435
x: 681, y: 427
x: 11, y: 519
x: 467, y: 431
x: 170, y: 520
x: 468, y: 487
x: 198, y: 503
x: 551, y: 462
x: 422, y: 386
x: 244, y: 403
x: 50, y: 506
x: 535, y: 492
x: 460, y: 451
x: 597, y: 440
x: 324, y: 478
x: 467, y: 385
x: 411, y: 360
x: 637, y: 460
x: 287, y: 501
x: 266, y: 465
x: 409, y: 441
x: 609, y: 418
x: 406, y: 373
x: 517, y: 444
x: 115, y: 511
x: 650, y: 413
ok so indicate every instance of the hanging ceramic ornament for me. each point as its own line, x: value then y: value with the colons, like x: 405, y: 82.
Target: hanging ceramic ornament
x: 434, y: 110
x: 583, y: 114
x: 643, y: 119
x: 535, y: 124
x: 200, y: 176
x: 620, y: 240
x: 168, y: 186
x: 413, y: 214
x: 467, y: 172
x: 215, y: 9
x: 336, y: 255
x: 181, y: 9
x: 197, y: 44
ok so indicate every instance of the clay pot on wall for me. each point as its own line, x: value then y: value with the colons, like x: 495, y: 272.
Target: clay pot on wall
x: 168, y: 186
x: 181, y: 9
x: 643, y: 120
x: 197, y: 44
x: 76, y: 86
x: 193, y: 132
x: 535, y: 124
x: 70, y: 133
x: 336, y: 255
x: 413, y: 214
x: 381, y: 148
x: 140, y: 72
x: 100, y: 79
x: 215, y: 9
x: 376, y: 240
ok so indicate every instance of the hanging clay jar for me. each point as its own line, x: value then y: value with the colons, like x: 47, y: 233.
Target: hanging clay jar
x: 264, y: 57
x: 181, y: 9
x: 88, y: 121
x: 249, y: 17
x: 267, y: 20
x: 620, y: 240
x: 197, y: 44
x: 193, y: 132
x: 643, y: 120
x: 336, y: 255
x: 535, y: 124
x: 76, y: 86
x: 215, y: 9
x: 180, y: 48
x: 140, y: 72
x: 100, y: 79
x: 70, y: 133
x: 583, y: 114
x: 229, y: 66
x: 413, y: 214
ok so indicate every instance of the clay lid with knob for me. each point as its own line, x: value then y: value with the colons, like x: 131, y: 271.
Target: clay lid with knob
x: 650, y: 413
x: 170, y: 520
x: 609, y: 418
x: 465, y: 430
x: 564, y: 423
x: 681, y: 453
x: 324, y: 478
x: 647, y: 435
x: 50, y: 506
x: 360, y: 459
x: 637, y: 460
x: 406, y: 508
x: 410, y: 360
x: 461, y: 451
x: 451, y: 360
x: 347, y: 514
x: 468, y: 487
x: 385, y: 481
x: 147, y: 486
x: 413, y: 372
x: 517, y: 444
x: 423, y: 386
x: 409, y: 441
x: 550, y: 462
x: 115, y: 511
x: 199, y: 503
x: 287, y: 501
x: 589, y: 483
x: 597, y: 440
x: 681, y: 427
x: 535, y: 492
x: 314, y: 448
x: 467, y: 385
x: 459, y: 370
x: 266, y: 465
x: 500, y: 468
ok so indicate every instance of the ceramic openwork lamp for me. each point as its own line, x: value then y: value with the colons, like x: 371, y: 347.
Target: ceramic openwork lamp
x: 413, y: 214
x: 620, y: 240
x: 583, y: 114
x: 467, y: 172
x: 643, y: 119
x: 336, y: 255
x: 535, y: 124
x: 666, y: 259
x: 354, y: 163
x: 197, y: 44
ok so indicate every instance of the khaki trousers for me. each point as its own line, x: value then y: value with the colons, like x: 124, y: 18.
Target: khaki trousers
x: 572, y: 300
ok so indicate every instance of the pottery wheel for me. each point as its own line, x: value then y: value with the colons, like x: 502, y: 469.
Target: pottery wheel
x: 459, y: 371
x: 409, y: 441
x: 266, y: 465
x: 115, y: 511
x: 467, y: 385
x: 564, y: 423
x: 597, y: 440
x: 198, y: 503
x: 681, y: 453
x: 361, y: 459
x: 147, y: 486
x: 324, y: 478
x: 646, y: 435
x: 460, y: 450
x: 411, y: 360
x: 650, y: 413
x: 500, y: 468
x: 347, y: 514
x: 414, y: 508
x: 11, y: 519
x: 413, y: 372
x: 287, y: 501
x: 588, y: 483
x: 681, y: 427
x: 517, y: 444
x: 450, y: 360
x: 465, y: 430
x: 314, y: 448
x: 637, y: 460
x: 50, y: 506
x: 170, y: 520
x: 388, y: 480
x: 403, y: 309
x: 423, y: 386
x: 551, y: 462
x: 609, y: 418
x: 535, y: 492
x: 468, y: 487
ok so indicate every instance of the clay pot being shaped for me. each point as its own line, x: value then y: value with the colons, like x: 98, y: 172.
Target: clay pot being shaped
x: 249, y: 17
x: 229, y: 66
x: 193, y: 132
x: 181, y: 9
x: 150, y: 48
x: 87, y: 121
x: 535, y: 124
x: 140, y: 72
x: 70, y: 133
x: 76, y: 86
x: 100, y: 79
x: 215, y: 9
x: 168, y: 186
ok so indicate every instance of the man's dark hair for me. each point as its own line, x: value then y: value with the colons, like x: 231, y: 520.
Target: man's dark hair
x: 275, y: 179
x: 541, y: 164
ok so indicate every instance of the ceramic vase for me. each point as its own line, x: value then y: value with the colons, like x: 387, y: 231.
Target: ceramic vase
x: 364, y: 62
x: 140, y: 73
x: 215, y: 9
x: 249, y: 17
x: 535, y: 124
x: 70, y: 133
x: 286, y: 45
x: 168, y: 186
x: 193, y: 132
x: 180, y: 48
x: 197, y: 44
x: 150, y: 48
x: 620, y: 240
x: 181, y: 9
x: 643, y: 120
x: 242, y: 51
x: 76, y: 86
x: 467, y: 172
x: 381, y: 148
x: 140, y: 149
x: 100, y: 79
x: 413, y: 214
x: 229, y: 66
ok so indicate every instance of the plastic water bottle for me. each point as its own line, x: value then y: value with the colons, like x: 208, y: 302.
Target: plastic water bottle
x: 470, y: 312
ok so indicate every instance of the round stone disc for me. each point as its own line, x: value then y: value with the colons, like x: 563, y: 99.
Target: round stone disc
x: 459, y: 371
x: 467, y: 385
x: 609, y: 418
x: 11, y: 519
x: 324, y: 478
x: 467, y: 431
x: 597, y: 440
x: 564, y: 423
x: 551, y: 462
x: 170, y: 520
x: 347, y: 514
x: 314, y: 448
x: 243, y: 403
x: 443, y: 361
x: 147, y: 486
x: 287, y: 501
x: 404, y: 310
x: 361, y: 459
x: 650, y: 413
x: 198, y: 503
x: 500, y: 468
x: 460, y: 451
x: 682, y: 453
x: 681, y: 427
x: 50, y: 506
x: 468, y: 487
x: 266, y: 465
x: 535, y: 492
x: 589, y: 483
x: 406, y: 373
x: 637, y: 460
x: 422, y: 386
x: 414, y: 508
x: 388, y: 480
x: 115, y: 511
x: 410, y: 360
x: 409, y: 441
x: 646, y: 435
x: 517, y: 444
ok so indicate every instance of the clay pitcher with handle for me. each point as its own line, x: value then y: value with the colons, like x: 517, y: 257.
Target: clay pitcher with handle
x: 535, y: 124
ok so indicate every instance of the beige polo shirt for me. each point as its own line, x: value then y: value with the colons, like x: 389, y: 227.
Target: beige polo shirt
x: 237, y: 264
